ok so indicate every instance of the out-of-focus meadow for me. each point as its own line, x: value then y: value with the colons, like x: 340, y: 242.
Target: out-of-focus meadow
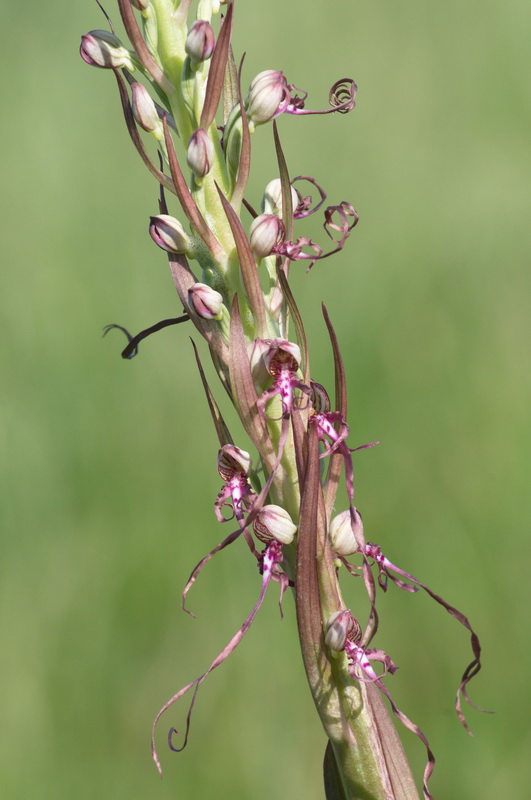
x: 108, y: 467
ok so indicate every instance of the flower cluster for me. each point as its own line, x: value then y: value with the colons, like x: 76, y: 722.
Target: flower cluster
x: 180, y: 87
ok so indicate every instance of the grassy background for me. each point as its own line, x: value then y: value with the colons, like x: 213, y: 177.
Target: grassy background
x: 108, y: 477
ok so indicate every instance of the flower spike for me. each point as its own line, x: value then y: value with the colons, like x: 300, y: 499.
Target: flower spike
x: 238, y: 296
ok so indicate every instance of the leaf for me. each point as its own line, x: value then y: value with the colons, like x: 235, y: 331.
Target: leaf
x: 222, y: 431
x: 297, y: 320
x: 137, y: 40
x: 332, y: 779
x: 244, y: 166
x: 306, y: 580
x: 287, y: 206
x: 135, y: 137
x: 336, y: 459
x: 216, y: 72
x: 244, y: 393
x: 230, y: 86
x: 184, y: 279
x: 249, y: 270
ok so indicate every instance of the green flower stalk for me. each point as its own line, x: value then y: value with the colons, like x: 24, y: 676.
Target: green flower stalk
x: 179, y: 83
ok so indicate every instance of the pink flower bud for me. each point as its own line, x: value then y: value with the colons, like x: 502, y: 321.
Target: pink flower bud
x: 144, y: 109
x: 200, y: 153
x: 168, y: 233
x: 206, y: 302
x: 264, y: 234
x: 268, y: 96
x: 233, y: 461
x: 342, y: 537
x: 200, y: 41
x: 103, y: 49
x: 140, y: 4
x: 273, y: 522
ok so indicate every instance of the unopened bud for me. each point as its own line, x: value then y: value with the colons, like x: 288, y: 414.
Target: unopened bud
x: 168, y: 233
x: 342, y: 536
x: 264, y: 234
x: 272, y: 199
x: 103, y: 49
x: 233, y: 461
x: 140, y: 4
x: 268, y: 96
x: 273, y: 522
x: 206, y: 302
x: 200, y: 41
x: 341, y: 628
x: 200, y: 153
x: 145, y: 110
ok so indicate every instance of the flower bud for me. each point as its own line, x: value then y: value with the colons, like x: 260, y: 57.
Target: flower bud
x: 273, y: 522
x: 140, y: 4
x: 233, y: 461
x: 103, y: 49
x: 200, y: 41
x: 268, y: 96
x: 144, y: 110
x: 264, y: 233
x: 342, y: 537
x: 342, y: 627
x: 272, y: 199
x: 168, y: 233
x: 200, y: 153
x: 206, y: 302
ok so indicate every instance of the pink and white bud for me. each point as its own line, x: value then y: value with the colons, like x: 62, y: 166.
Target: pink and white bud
x: 145, y: 110
x: 272, y: 199
x: 104, y: 50
x: 233, y: 461
x: 168, y: 233
x: 205, y: 301
x: 268, y: 96
x: 200, y: 153
x: 265, y: 232
x: 283, y: 352
x: 200, y: 41
x: 342, y: 537
x: 341, y: 628
x: 273, y: 522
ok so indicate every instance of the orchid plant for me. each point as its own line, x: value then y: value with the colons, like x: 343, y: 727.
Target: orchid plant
x: 179, y: 84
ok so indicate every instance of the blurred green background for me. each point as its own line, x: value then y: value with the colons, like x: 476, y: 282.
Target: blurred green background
x: 108, y: 468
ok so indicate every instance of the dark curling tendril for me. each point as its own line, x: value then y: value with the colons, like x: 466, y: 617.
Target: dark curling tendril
x: 341, y: 98
x: 342, y: 95
x: 304, y: 207
x: 132, y: 348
